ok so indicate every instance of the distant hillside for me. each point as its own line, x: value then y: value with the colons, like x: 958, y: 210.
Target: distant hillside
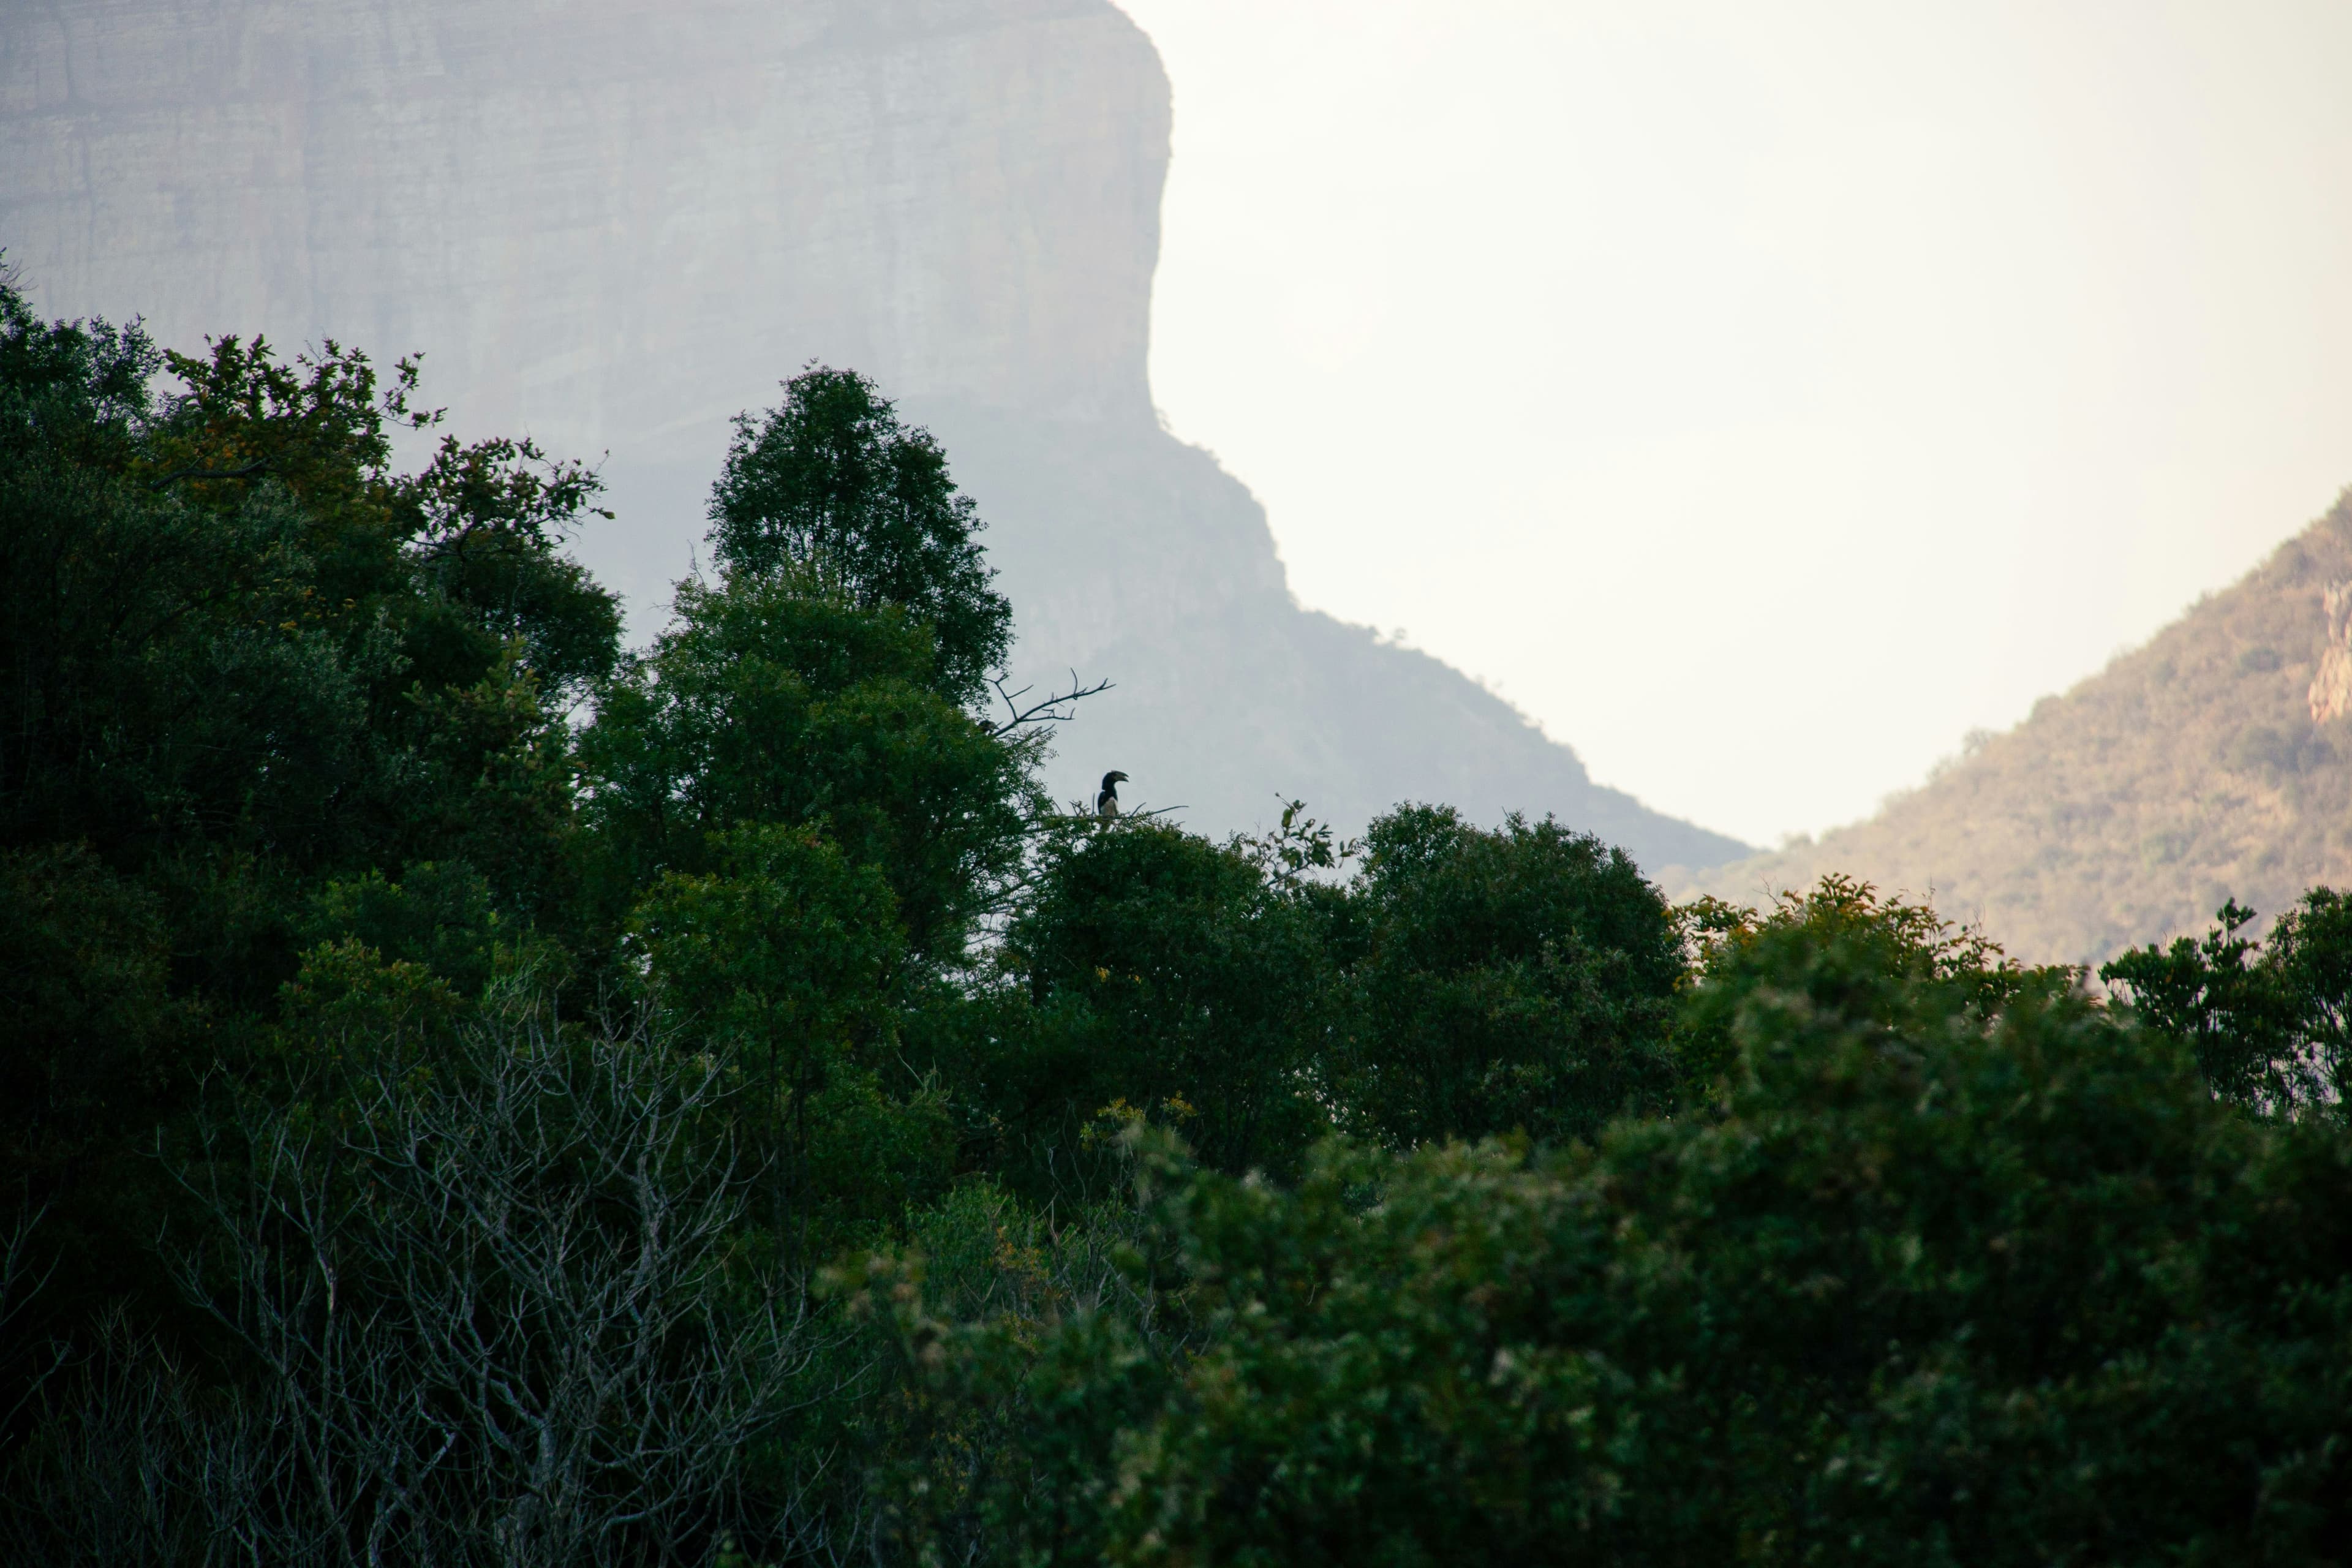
x: 2214, y: 762
x: 612, y: 223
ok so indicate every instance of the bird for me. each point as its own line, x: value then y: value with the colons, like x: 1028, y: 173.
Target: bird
x: 1106, y: 803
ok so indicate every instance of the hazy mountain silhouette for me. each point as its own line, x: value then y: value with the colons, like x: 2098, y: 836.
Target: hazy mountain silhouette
x: 612, y: 223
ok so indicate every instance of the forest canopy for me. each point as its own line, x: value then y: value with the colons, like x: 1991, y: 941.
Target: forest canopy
x: 472, y: 1092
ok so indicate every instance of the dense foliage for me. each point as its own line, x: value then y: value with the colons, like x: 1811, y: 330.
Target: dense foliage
x: 2271, y: 1022
x: 1514, y: 980
x: 831, y: 484
x: 472, y: 1094
x: 1957, y: 1266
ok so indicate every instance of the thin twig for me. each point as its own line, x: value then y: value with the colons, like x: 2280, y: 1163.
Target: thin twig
x: 1049, y: 710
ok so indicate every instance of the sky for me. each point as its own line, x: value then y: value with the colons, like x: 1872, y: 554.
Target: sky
x: 1762, y: 394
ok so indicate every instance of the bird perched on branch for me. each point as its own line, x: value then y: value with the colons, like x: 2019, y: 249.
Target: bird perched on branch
x: 1106, y: 803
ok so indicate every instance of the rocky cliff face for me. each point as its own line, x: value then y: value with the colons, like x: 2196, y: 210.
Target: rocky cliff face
x: 614, y: 223
x: 609, y: 218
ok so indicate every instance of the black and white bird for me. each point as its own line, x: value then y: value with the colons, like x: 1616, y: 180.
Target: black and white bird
x: 1106, y: 803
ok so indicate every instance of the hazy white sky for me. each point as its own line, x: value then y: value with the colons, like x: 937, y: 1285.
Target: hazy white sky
x: 1762, y: 393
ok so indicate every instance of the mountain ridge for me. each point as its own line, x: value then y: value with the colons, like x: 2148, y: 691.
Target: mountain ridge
x: 2214, y: 761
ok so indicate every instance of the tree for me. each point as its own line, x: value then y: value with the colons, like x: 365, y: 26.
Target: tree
x: 785, y: 964
x: 2271, y: 1022
x: 1514, y: 979
x: 94, y: 1050
x: 831, y: 484
x: 483, y: 1288
x: 771, y: 701
x: 242, y: 657
x: 237, y: 646
x: 1164, y: 976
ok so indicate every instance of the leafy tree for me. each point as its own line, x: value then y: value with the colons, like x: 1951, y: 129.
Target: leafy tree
x: 241, y: 658
x: 1014, y: 1347
x: 487, y: 524
x: 238, y: 647
x: 1167, y: 977
x: 1521, y: 978
x: 438, y: 916
x: 1880, y: 945
x: 783, y: 964
x: 2271, y: 1022
x: 771, y: 701
x: 831, y: 484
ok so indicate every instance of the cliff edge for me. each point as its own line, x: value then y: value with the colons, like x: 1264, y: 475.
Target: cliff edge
x: 614, y: 223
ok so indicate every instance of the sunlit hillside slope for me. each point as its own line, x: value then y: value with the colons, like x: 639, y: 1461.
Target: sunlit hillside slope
x: 2214, y: 762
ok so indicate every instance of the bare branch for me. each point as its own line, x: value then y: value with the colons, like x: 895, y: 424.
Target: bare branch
x: 18, y: 1286
x: 491, y: 1302
x: 1053, y: 709
x: 134, y: 1463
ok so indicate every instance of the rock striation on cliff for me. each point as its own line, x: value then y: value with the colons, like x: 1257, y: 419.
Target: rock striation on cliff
x: 614, y: 223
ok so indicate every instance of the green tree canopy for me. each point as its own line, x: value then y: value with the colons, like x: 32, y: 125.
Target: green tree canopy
x: 785, y: 964
x: 771, y: 701
x: 242, y: 656
x: 831, y: 483
x: 1942, y: 1281
x: 1519, y: 978
x: 2271, y: 1022
x: 1167, y: 977
x: 228, y: 628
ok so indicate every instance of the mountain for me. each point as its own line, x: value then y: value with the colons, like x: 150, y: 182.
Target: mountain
x: 614, y: 223
x: 2215, y: 762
